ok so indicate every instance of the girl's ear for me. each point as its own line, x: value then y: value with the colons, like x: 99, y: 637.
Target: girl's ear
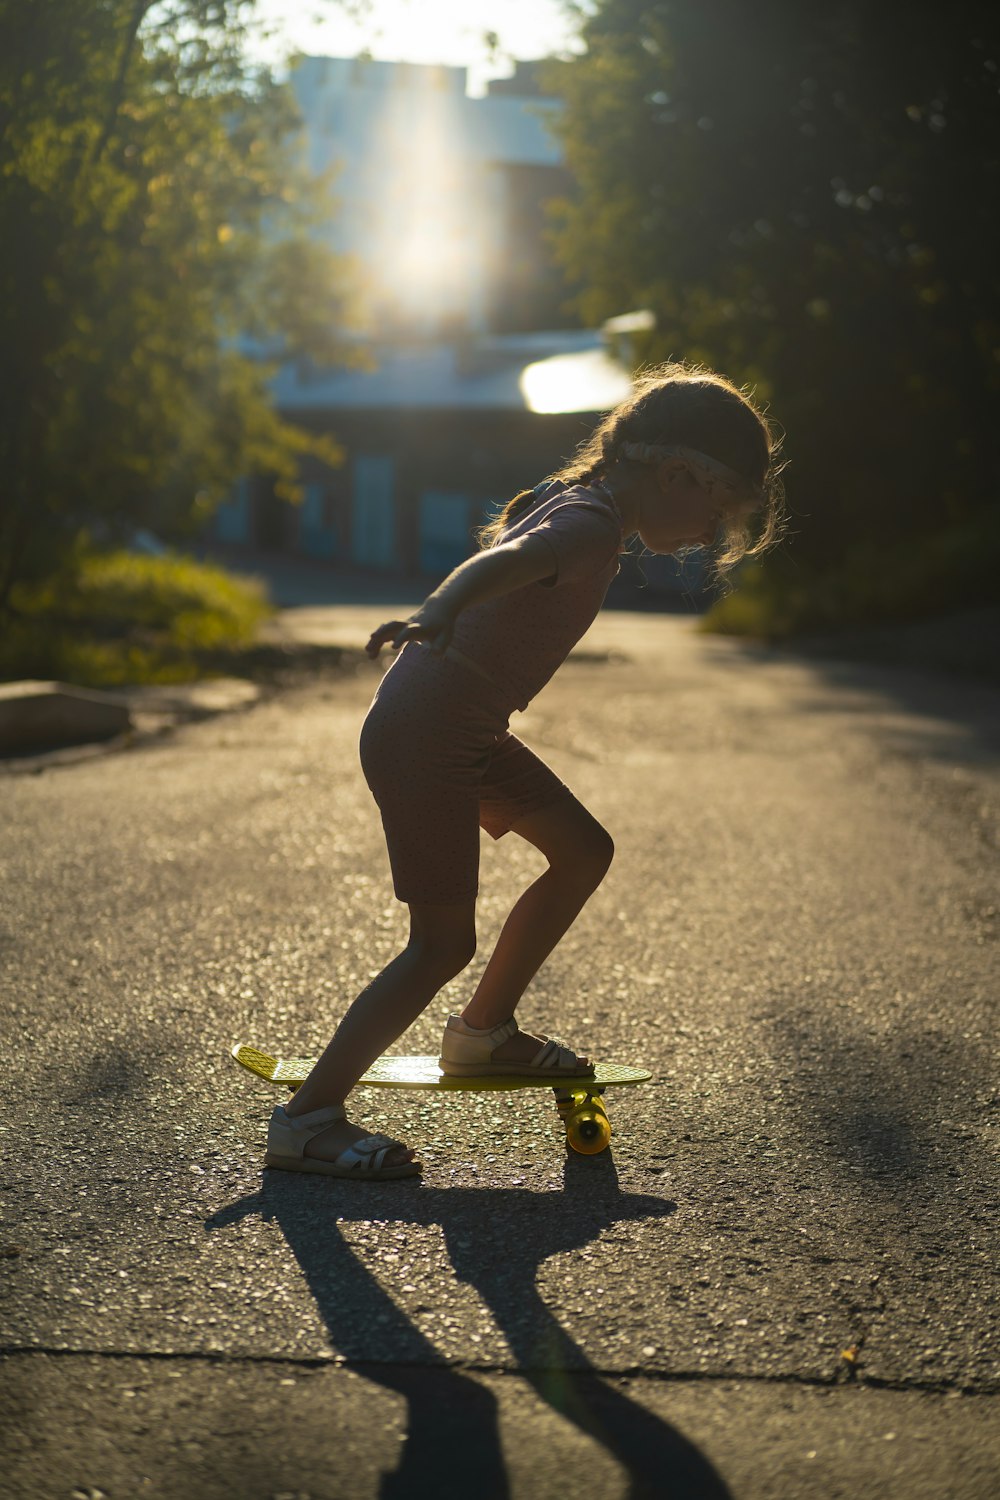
x: 667, y: 472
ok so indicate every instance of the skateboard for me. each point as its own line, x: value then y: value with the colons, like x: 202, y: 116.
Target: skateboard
x: 580, y: 1101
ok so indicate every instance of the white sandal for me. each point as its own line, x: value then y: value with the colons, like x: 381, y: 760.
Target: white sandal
x: 467, y: 1052
x: 288, y: 1136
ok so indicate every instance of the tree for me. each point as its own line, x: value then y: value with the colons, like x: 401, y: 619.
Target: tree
x: 153, y: 219
x: 805, y: 196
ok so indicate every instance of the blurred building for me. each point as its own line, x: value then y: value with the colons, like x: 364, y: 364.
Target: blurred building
x: 438, y: 198
x: 477, y: 384
x: 437, y: 435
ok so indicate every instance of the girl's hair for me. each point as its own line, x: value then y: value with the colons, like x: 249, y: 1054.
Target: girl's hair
x: 687, y: 406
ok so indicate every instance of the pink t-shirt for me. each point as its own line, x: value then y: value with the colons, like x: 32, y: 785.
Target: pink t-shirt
x: 520, y: 639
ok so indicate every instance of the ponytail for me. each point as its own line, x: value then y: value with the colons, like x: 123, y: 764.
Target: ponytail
x: 487, y: 535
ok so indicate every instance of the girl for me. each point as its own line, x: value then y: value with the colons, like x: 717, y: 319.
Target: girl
x: 686, y: 460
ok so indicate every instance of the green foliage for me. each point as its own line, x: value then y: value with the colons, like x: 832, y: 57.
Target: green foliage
x: 932, y: 573
x: 805, y: 196
x: 153, y: 215
x: 109, y: 618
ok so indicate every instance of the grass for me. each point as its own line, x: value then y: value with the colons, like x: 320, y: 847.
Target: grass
x: 112, y: 618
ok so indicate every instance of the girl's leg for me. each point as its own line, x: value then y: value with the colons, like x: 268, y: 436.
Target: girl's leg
x: 579, y: 852
x: 442, y: 943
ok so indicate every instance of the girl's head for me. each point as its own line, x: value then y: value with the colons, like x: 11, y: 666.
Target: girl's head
x: 694, y: 433
x: 692, y: 438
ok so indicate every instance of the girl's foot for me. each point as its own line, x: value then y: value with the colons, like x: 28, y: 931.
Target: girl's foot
x: 524, y: 1045
x: 330, y: 1142
x: 468, y: 1051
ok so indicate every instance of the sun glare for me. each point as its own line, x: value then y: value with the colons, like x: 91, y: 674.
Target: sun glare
x: 422, y: 248
x: 423, y: 195
x: 588, y: 381
x: 425, y: 31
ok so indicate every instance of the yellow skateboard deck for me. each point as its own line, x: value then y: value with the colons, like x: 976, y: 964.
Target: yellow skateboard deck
x: 579, y: 1100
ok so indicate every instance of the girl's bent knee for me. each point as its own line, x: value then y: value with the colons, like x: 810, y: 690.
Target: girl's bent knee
x: 445, y: 956
x: 591, y: 859
x: 604, y: 851
x: 443, y: 938
x: 600, y: 862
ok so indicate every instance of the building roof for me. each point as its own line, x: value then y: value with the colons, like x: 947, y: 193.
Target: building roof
x: 559, y: 371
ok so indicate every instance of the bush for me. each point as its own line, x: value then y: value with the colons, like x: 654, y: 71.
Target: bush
x: 118, y: 617
x: 919, y: 578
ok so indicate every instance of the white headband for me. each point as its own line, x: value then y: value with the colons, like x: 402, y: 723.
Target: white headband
x: 654, y: 453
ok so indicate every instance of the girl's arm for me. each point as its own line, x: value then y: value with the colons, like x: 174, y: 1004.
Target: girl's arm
x: 487, y: 575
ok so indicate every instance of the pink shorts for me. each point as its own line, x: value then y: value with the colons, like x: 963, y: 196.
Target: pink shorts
x: 441, y: 764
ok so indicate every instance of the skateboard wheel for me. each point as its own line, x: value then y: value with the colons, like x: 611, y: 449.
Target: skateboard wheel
x: 588, y: 1129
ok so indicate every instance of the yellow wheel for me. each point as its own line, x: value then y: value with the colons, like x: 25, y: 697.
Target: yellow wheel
x: 588, y: 1129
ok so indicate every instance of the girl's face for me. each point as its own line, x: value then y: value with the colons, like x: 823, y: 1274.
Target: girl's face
x: 677, y: 511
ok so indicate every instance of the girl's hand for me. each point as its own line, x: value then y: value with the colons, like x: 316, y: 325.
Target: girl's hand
x: 485, y: 575
x: 432, y: 623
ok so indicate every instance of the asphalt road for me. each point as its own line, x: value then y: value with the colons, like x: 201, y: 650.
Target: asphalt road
x: 780, y: 1281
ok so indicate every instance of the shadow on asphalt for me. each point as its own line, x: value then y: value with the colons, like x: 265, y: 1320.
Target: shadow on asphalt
x: 885, y: 1103
x: 496, y: 1241
x: 949, y: 718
